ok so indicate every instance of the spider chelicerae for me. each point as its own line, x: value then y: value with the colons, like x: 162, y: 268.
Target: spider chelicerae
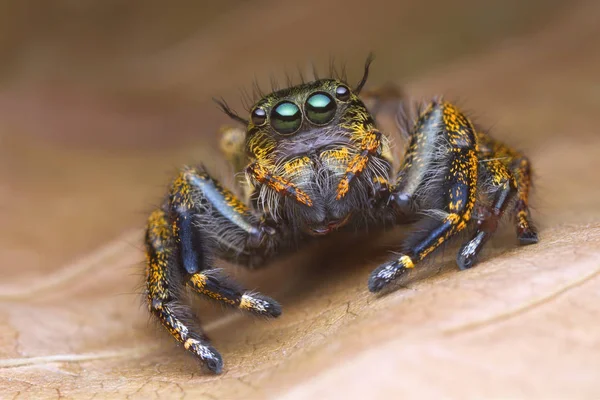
x: 315, y: 162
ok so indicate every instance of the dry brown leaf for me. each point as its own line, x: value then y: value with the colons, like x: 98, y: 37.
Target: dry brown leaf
x: 523, y: 324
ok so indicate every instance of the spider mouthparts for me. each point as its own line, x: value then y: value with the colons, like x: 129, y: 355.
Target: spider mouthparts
x: 328, y: 227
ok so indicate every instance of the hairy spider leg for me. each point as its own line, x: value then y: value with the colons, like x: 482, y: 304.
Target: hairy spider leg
x: 164, y: 290
x: 495, y: 174
x: 526, y: 232
x: 215, y: 285
x: 203, y: 220
x: 441, y: 135
x: 520, y: 167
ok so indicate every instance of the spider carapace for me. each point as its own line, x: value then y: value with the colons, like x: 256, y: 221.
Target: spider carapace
x: 315, y: 162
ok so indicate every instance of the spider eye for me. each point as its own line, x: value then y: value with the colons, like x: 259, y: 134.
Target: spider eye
x: 342, y: 93
x: 259, y: 116
x: 320, y: 108
x: 286, y: 118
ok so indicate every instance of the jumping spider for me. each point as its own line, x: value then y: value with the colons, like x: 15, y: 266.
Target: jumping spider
x: 316, y: 162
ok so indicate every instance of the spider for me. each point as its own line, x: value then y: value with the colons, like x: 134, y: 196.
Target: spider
x: 315, y: 162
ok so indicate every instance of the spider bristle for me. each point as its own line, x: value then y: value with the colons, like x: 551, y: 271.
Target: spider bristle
x: 300, y: 74
x: 365, y: 76
x: 230, y: 113
x: 331, y: 66
x: 404, y: 119
x: 247, y: 100
x: 256, y: 90
x: 315, y: 71
x: 274, y: 83
x: 288, y: 79
x: 344, y: 77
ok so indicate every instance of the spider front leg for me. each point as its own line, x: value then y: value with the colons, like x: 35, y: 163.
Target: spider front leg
x: 439, y: 174
x: 202, y: 220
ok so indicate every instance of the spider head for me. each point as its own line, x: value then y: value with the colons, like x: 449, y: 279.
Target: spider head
x: 306, y: 136
x: 309, y: 109
x: 303, y: 112
x: 304, y: 118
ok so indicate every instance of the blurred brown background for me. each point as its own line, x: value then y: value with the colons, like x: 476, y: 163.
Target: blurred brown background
x: 101, y: 101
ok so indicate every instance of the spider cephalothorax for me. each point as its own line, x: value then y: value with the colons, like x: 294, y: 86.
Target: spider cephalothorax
x: 309, y: 144
x: 316, y: 162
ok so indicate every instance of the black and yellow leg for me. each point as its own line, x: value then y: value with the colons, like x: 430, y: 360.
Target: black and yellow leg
x: 202, y: 221
x: 505, y: 186
x: 390, y: 271
x: 520, y: 168
x: 526, y: 232
x: 215, y: 285
x: 209, y: 220
x: 163, y: 289
x: 448, y: 126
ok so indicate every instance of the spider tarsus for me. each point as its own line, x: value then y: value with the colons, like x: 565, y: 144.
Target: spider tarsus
x: 212, y: 360
x: 467, y: 255
x: 261, y: 305
x: 383, y: 275
x: 376, y: 284
x: 528, y: 237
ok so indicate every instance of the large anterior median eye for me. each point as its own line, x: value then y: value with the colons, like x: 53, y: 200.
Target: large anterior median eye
x: 320, y: 108
x: 286, y: 118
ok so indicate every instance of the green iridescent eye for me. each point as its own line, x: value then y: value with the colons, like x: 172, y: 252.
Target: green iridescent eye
x: 320, y: 108
x: 286, y: 118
